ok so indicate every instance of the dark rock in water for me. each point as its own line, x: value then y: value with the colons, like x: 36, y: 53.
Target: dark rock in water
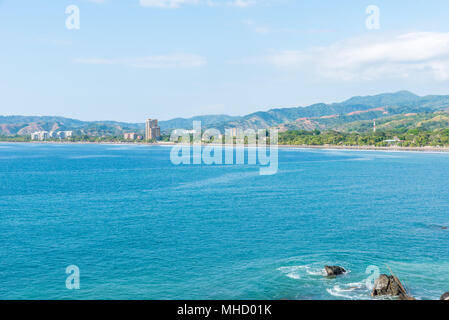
x: 333, y: 271
x: 386, y: 285
x: 390, y: 286
x: 445, y: 296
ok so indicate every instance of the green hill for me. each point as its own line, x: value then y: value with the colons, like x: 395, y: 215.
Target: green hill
x: 326, y: 116
x: 392, y: 111
x: 24, y: 125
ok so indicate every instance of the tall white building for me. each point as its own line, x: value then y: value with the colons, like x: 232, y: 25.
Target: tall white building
x: 44, y: 135
x: 64, y: 134
x: 40, y: 135
x: 152, y: 130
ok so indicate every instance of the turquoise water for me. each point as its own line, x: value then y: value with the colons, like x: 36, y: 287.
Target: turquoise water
x: 139, y: 227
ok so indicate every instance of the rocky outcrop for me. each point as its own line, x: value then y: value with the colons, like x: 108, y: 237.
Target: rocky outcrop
x: 387, y: 285
x: 333, y: 271
x: 445, y: 296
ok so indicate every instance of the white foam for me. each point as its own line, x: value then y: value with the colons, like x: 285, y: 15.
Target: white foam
x: 352, y: 291
x: 292, y: 268
x: 295, y: 272
x: 336, y: 292
x: 293, y: 275
x: 358, y: 285
x: 316, y: 272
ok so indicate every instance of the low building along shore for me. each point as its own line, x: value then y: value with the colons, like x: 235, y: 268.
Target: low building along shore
x: 44, y: 135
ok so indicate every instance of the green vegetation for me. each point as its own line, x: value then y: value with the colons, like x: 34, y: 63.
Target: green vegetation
x: 82, y: 138
x: 165, y: 138
x: 15, y: 138
x: 428, y: 121
x: 415, y: 137
x: 88, y: 138
x: 402, y: 119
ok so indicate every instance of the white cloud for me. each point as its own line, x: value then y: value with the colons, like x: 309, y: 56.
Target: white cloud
x: 241, y: 3
x: 162, y: 61
x: 170, y: 4
x: 266, y: 29
x: 403, y: 56
x: 174, y: 4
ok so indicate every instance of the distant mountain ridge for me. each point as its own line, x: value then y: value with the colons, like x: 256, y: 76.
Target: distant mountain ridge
x: 318, y: 115
x: 24, y: 125
x: 335, y: 116
x: 207, y: 120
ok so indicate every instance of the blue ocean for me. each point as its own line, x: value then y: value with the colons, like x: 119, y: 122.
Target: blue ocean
x: 139, y: 227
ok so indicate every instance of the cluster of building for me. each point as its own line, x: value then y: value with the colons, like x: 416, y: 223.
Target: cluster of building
x: 44, y: 135
x: 132, y: 136
x: 152, y: 132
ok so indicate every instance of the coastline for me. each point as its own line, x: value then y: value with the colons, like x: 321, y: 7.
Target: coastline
x: 282, y: 146
x: 371, y: 148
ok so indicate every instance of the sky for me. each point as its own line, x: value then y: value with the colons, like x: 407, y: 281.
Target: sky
x: 135, y: 59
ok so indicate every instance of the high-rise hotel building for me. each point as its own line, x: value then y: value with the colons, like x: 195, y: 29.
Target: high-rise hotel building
x: 152, y: 130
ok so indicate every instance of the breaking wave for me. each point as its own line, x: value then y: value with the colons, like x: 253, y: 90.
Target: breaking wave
x: 352, y: 291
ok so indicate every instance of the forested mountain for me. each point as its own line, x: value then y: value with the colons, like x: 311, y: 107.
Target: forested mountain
x: 24, y: 125
x: 391, y: 110
x: 326, y: 116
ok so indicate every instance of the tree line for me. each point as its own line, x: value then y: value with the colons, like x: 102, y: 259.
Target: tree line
x: 415, y: 137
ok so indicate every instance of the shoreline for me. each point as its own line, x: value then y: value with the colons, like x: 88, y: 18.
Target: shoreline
x: 371, y: 148
x: 281, y: 146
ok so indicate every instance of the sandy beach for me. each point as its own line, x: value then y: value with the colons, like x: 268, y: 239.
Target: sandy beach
x: 323, y: 147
